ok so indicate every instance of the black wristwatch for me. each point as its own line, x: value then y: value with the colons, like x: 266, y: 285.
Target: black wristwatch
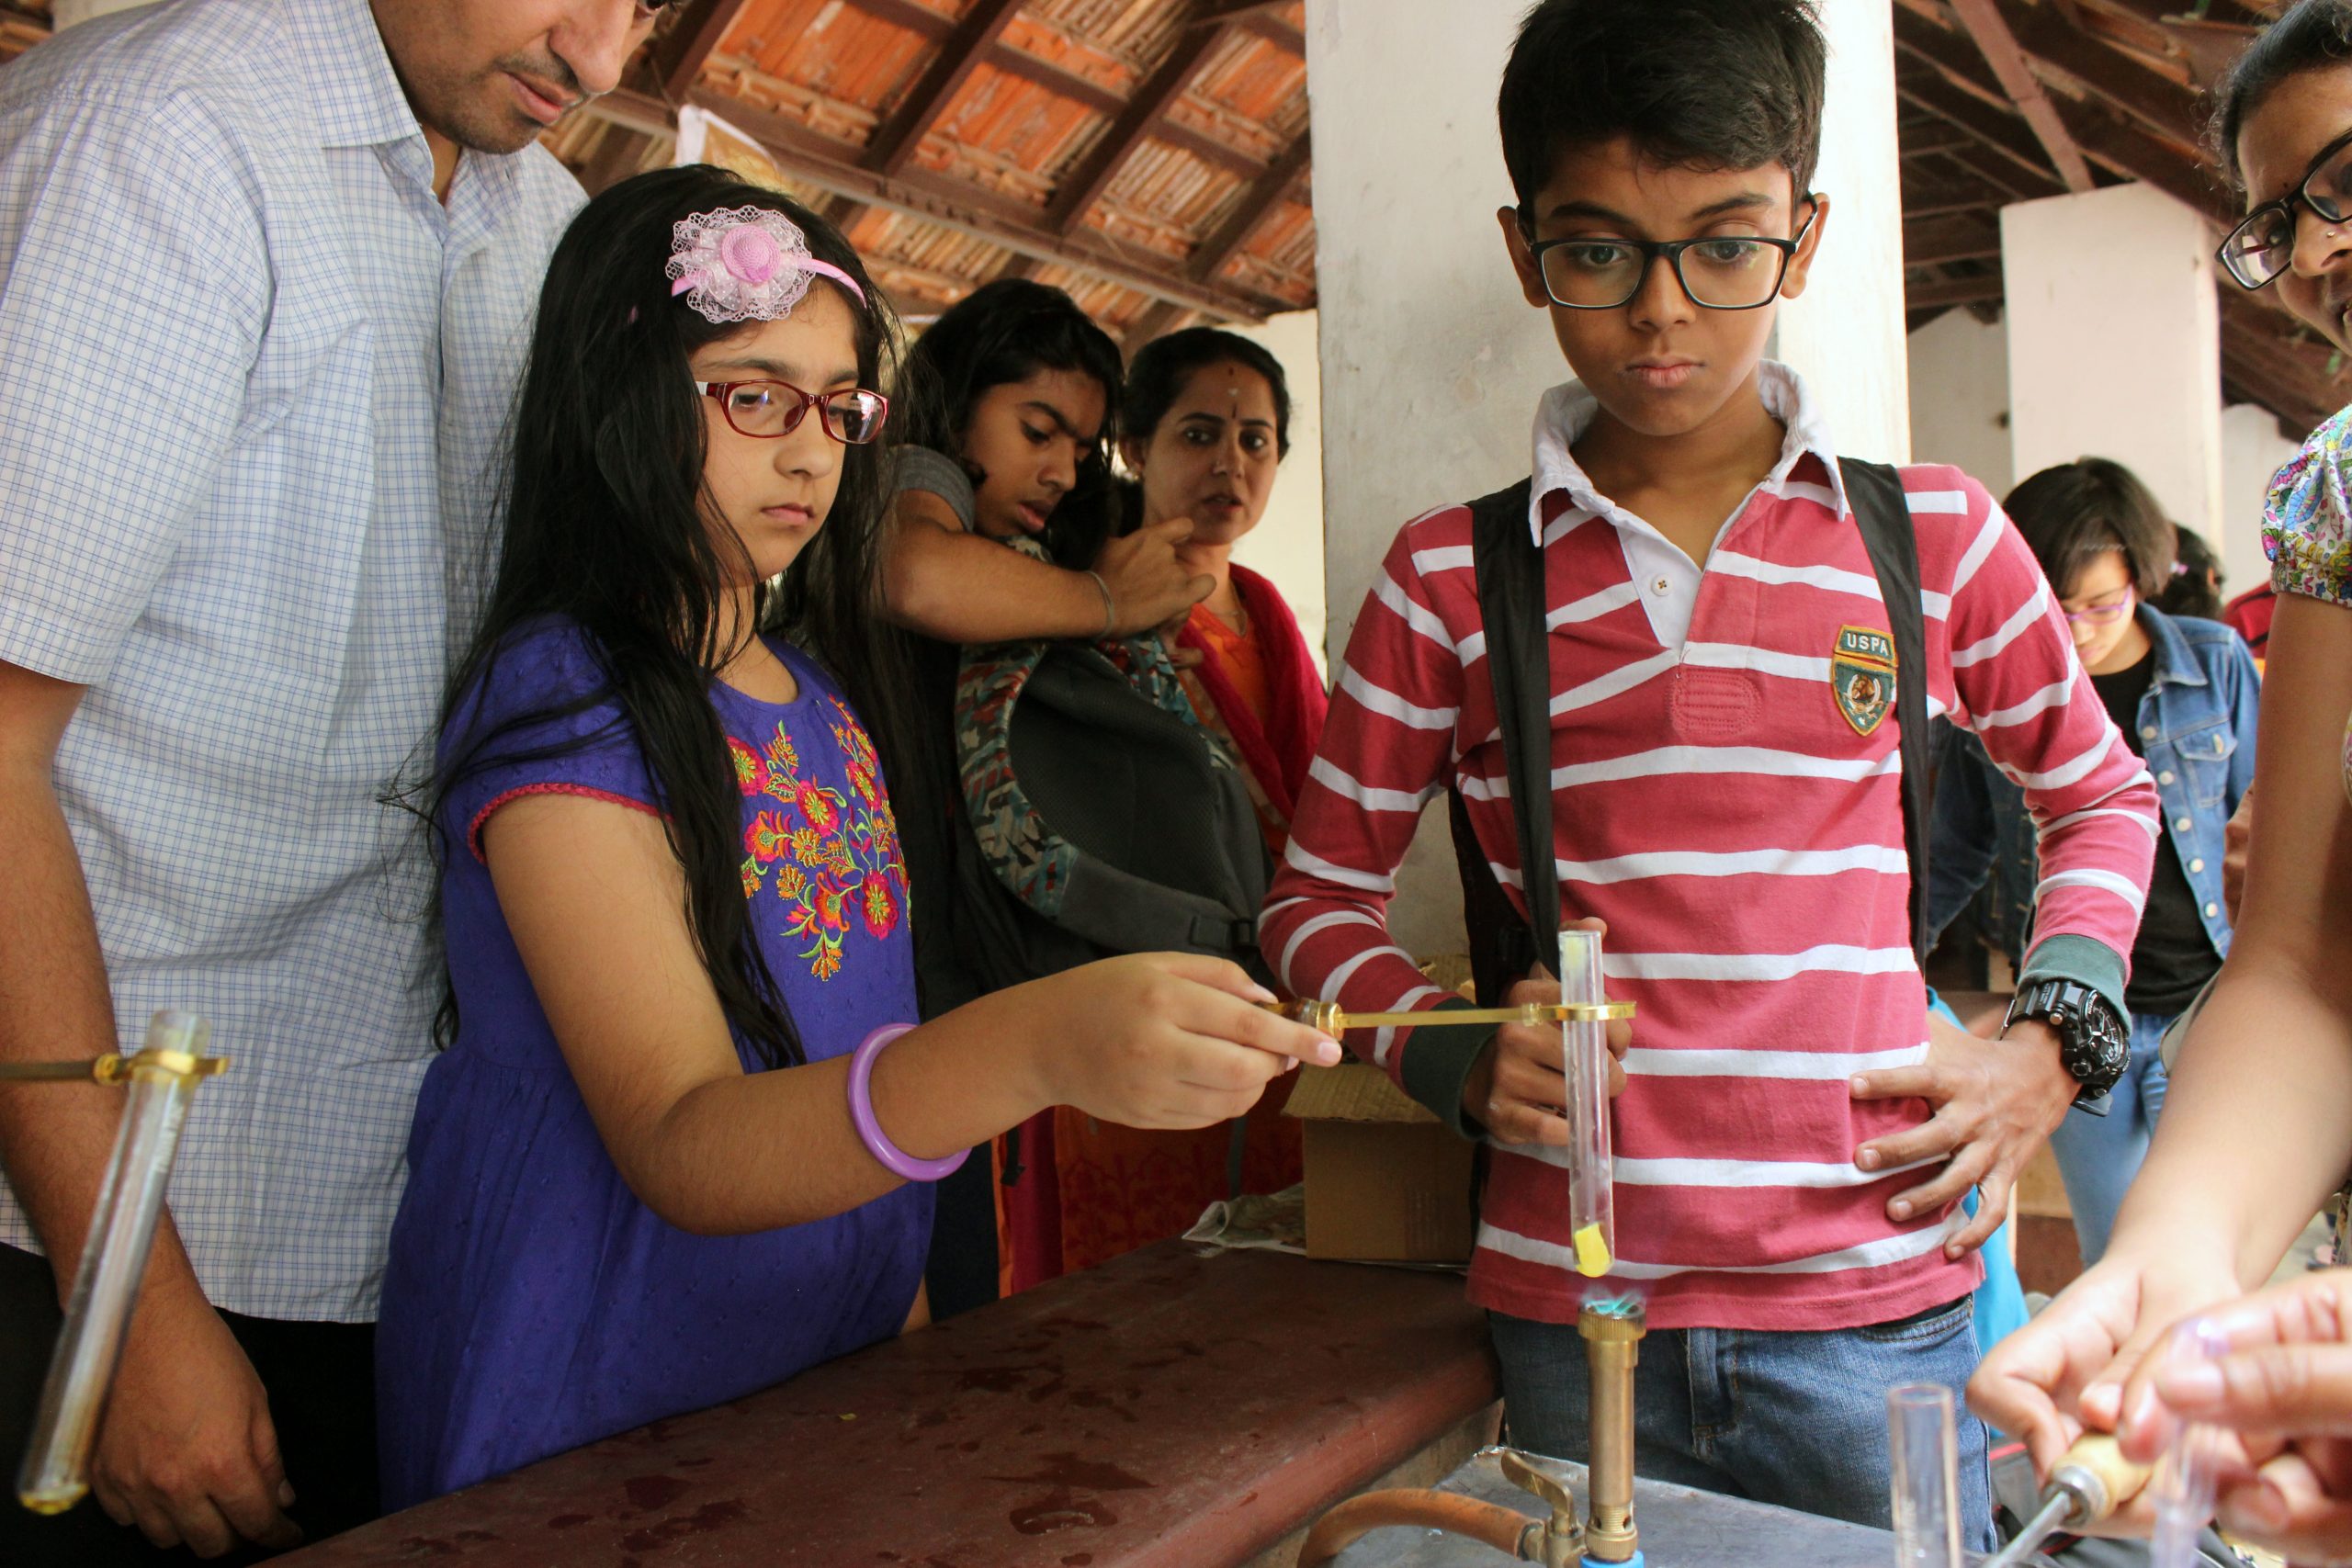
x: 2093, y: 1043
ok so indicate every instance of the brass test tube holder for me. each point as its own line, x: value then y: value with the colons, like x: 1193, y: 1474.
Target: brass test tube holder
x: 1612, y: 1339
x: 162, y: 1078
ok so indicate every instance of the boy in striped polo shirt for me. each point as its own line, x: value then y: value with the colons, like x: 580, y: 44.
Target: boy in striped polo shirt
x: 1792, y: 1142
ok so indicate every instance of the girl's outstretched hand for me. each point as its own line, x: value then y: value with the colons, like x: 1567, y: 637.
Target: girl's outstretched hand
x: 2284, y: 1390
x: 1164, y: 1040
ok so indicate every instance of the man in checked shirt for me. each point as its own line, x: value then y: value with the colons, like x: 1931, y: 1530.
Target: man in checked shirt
x: 266, y: 272
x: 1791, y: 1150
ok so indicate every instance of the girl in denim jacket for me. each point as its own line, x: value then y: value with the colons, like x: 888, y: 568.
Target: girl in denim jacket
x: 2185, y: 693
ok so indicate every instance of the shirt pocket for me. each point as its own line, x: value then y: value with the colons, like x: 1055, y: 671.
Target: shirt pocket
x: 2202, y: 756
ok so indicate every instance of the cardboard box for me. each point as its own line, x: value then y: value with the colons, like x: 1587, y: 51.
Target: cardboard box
x: 1386, y: 1183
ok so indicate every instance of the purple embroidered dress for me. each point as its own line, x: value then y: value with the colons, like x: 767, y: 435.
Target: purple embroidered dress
x: 531, y: 1303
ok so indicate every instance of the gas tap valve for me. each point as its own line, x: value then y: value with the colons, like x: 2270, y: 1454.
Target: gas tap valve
x: 1557, y: 1542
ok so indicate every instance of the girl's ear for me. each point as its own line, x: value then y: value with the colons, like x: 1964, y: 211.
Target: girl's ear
x: 1131, y: 452
x: 1800, y: 264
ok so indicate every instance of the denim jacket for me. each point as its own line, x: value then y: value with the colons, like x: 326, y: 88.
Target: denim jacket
x: 2197, y: 729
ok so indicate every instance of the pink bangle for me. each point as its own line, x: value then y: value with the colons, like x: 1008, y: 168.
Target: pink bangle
x: 869, y: 1131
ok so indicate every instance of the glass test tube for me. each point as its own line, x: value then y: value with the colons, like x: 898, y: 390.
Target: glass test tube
x: 2186, y: 1474
x: 1592, y: 1205
x: 1926, y: 1476
x: 55, y: 1472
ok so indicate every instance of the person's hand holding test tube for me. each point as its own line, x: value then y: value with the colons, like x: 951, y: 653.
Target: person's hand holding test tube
x: 1519, y: 1089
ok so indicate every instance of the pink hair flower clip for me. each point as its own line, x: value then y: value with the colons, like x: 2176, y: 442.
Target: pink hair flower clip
x: 746, y: 263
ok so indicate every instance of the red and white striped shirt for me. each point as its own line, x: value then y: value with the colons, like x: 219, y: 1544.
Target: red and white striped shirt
x: 1744, y: 841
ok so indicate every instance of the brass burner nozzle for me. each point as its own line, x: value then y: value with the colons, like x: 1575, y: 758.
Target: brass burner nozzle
x: 1612, y: 1338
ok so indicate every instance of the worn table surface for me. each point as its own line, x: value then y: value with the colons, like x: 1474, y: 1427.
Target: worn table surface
x: 1165, y: 1409
x: 1681, y: 1529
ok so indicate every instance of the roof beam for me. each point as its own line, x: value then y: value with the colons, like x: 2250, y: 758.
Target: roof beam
x: 678, y: 57
x: 1228, y: 239
x: 2134, y: 153
x: 1999, y: 47
x: 893, y: 145
x: 1938, y: 293
x: 1261, y: 16
x: 1933, y: 241
x: 2049, y: 40
x: 836, y: 167
x: 1138, y: 120
x: 1059, y: 80
x: 1992, y: 128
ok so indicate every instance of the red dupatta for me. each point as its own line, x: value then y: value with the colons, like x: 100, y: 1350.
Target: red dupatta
x: 1277, y: 752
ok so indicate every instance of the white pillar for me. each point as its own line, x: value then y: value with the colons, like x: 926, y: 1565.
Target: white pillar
x: 1844, y: 334
x: 1432, y: 361
x: 2115, y: 346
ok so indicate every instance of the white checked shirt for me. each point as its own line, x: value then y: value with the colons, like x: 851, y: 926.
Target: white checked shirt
x: 253, y: 379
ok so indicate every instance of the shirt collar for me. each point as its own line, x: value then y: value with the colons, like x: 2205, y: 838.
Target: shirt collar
x: 357, y: 97
x: 2176, y: 663
x: 1568, y: 411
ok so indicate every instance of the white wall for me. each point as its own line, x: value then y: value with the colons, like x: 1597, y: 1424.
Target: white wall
x: 1844, y: 334
x: 1960, y: 398
x: 2115, y: 346
x: 1431, y: 360
x: 1287, y: 544
x: 2252, y: 451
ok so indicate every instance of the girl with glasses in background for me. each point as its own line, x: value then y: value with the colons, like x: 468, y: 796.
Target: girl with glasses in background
x: 2185, y: 693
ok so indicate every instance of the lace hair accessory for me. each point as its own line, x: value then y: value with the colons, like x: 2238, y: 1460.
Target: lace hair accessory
x: 746, y: 263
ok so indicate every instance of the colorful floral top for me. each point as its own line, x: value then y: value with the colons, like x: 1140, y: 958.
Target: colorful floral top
x: 2307, y: 520
x: 2307, y: 528
x: 531, y: 1303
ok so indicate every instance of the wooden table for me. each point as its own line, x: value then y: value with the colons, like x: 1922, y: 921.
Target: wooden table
x: 1165, y: 1409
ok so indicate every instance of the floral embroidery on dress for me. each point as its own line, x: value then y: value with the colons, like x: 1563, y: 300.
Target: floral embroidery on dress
x: 2307, y: 518
x: 833, y: 858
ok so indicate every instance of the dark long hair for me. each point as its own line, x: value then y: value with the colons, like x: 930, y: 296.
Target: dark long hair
x: 2314, y: 36
x: 1003, y: 331
x: 606, y: 528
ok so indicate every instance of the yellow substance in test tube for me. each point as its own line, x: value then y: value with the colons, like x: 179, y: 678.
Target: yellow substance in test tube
x: 1592, y: 1253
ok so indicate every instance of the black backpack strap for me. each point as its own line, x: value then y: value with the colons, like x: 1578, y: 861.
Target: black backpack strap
x: 1875, y: 493
x: 1512, y: 606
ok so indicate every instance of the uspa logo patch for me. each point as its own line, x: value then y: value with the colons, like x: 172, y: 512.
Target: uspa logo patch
x: 1861, y: 676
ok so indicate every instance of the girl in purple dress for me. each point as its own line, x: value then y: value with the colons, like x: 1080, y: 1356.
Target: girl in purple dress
x: 679, y: 1144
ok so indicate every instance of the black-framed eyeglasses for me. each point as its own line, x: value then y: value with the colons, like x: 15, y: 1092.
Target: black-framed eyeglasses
x: 2262, y: 244
x: 1719, y: 272
x: 765, y: 410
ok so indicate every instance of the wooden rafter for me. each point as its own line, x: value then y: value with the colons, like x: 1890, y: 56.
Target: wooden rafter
x: 1263, y: 18
x: 1136, y: 121
x: 1223, y: 243
x: 1991, y: 129
x: 2050, y: 41
x: 1934, y: 242
x: 838, y: 168
x: 1001, y: 54
x: 1161, y: 318
x: 678, y: 56
x: 1999, y: 46
x: 893, y: 145
x: 1947, y: 292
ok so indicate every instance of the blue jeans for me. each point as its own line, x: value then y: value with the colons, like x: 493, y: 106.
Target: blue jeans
x: 2099, y: 1155
x: 1797, y: 1419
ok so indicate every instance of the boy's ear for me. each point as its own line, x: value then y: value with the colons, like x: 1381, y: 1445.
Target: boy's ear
x: 1800, y: 264
x: 1531, y: 281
